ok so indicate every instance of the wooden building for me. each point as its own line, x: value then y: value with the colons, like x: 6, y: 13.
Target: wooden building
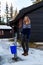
x: 35, y: 13
x: 5, y: 31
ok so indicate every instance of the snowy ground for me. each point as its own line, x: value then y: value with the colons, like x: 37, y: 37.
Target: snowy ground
x: 35, y: 56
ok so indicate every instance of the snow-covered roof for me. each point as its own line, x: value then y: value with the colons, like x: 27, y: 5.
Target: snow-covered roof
x: 5, y: 27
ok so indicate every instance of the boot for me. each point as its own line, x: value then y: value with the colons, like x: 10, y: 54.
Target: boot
x: 25, y: 53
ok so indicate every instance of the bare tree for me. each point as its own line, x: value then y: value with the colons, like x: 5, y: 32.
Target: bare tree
x: 0, y: 12
x: 16, y: 12
x: 37, y: 1
x: 11, y: 11
x: 7, y: 12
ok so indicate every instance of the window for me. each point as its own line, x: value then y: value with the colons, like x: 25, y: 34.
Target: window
x: 20, y: 23
x: 1, y: 32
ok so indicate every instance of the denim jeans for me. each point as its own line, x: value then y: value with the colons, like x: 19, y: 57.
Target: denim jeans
x: 25, y: 42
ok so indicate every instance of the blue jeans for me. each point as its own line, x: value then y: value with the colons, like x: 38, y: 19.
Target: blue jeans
x: 25, y: 41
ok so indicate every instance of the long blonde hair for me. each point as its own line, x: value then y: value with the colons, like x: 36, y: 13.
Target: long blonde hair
x: 26, y: 20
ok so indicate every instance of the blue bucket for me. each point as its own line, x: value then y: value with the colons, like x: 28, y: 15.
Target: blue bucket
x: 13, y: 49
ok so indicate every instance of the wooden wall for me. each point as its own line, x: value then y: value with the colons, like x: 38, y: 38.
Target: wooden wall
x: 36, y: 18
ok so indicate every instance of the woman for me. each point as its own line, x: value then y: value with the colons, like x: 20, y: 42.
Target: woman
x: 26, y: 28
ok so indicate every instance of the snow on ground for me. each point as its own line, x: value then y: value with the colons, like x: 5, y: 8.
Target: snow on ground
x: 39, y: 43
x: 35, y: 56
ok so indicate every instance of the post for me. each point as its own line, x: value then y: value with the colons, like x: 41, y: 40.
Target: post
x: 15, y: 40
x: 15, y: 44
